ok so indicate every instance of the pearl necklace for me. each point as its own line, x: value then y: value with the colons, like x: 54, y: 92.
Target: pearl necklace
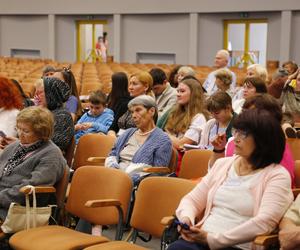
x: 146, y: 133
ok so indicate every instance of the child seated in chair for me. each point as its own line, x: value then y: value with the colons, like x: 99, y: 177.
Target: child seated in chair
x: 98, y: 119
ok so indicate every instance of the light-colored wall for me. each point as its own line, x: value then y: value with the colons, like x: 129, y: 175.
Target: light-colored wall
x: 91, y: 7
x: 65, y: 38
x: 24, y: 32
x: 66, y: 35
x: 211, y: 34
x: 295, y: 38
x: 155, y: 34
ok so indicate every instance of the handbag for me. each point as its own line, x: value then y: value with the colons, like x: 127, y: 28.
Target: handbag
x: 24, y: 217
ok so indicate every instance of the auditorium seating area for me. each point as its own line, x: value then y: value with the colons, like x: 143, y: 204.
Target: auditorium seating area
x: 92, y: 76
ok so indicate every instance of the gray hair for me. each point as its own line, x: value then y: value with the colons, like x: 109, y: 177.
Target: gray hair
x: 145, y: 100
x: 186, y: 70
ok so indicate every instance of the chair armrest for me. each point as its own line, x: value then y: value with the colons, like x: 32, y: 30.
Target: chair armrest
x: 296, y: 191
x: 38, y: 189
x: 267, y: 240
x: 103, y: 203
x: 166, y: 221
x: 98, y: 159
x: 163, y: 170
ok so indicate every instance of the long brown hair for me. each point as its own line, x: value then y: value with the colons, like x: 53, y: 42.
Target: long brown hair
x: 181, y: 116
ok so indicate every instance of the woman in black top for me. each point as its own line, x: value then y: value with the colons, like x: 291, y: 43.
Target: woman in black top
x: 118, y: 97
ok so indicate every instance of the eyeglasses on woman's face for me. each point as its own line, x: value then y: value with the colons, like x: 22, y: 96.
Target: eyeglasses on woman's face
x: 240, y: 134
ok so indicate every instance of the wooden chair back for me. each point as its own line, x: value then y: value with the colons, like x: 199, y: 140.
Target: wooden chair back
x: 70, y: 150
x: 294, y: 144
x: 90, y: 145
x: 156, y: 198
x: 61, y: 188
x: 174, y: 160
x: 194, y: 163
x: 297, y: 173
x: 98, y: 183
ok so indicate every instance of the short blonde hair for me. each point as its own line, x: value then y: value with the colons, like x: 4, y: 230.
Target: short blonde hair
x: 260, y: 71
x: 146, y: 79
x: 224, y: 75
x: 40, y: 119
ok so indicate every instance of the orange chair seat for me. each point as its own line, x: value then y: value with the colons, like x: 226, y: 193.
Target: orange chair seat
x: 57, y: 237
x: 116, y: 245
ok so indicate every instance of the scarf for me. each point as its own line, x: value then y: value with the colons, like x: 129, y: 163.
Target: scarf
x: 19, y: 156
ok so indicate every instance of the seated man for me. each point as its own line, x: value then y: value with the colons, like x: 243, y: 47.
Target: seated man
x: 165, y: 95
x: 289, y: 235
x: 221, y: 61
x: 97, y: 119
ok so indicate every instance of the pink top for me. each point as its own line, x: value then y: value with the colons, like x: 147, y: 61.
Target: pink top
x: 287, y: 159
x: 272, y: 196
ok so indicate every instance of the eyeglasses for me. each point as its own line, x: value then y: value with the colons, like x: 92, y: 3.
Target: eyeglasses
x: 23, y: 131
x: 239, y: 134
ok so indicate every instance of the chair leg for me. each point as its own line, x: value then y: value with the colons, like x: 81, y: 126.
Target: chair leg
x: 129, y: 236
x: 130, y: 208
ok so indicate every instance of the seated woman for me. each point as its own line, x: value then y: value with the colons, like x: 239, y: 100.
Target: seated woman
x: 252, y: 85
x: 290, y: 97
x: 260, y: 102
x: 224, y: 81
x: 219, y: 105
x: 185, y: 121
x: 185, y: 71
x: 143, y: 146
x: 213, y: 210
x: 32, y: 160
x: 52, y: 93
x: 73, y: 104
x: 139, y: 84
x: 253, y: 70
x: 173, y: 76
x: 118, y: 98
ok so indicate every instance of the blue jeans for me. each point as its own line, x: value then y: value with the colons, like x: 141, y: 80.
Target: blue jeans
x: 84, y: 226
x: 182, y: 244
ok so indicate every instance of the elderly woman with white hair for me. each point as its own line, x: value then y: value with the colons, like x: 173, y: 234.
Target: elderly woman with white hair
x: 143, y: 146
x: 185, y: 71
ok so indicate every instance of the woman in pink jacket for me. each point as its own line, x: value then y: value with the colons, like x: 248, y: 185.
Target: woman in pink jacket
x: 242, y: 196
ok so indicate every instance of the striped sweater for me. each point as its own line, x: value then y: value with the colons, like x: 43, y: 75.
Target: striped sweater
x: 156, y: 150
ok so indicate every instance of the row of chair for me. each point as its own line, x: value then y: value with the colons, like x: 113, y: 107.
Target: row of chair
x: 100, y: 145
x: 105, y: 190
x: 104, y: 143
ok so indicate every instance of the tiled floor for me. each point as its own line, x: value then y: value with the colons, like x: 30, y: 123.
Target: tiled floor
x: 154, y: 244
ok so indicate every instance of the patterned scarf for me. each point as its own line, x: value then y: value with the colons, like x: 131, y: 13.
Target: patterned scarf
x: 19, y: 155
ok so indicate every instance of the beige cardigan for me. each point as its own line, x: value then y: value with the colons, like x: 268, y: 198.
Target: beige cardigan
x: 272, y: 196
